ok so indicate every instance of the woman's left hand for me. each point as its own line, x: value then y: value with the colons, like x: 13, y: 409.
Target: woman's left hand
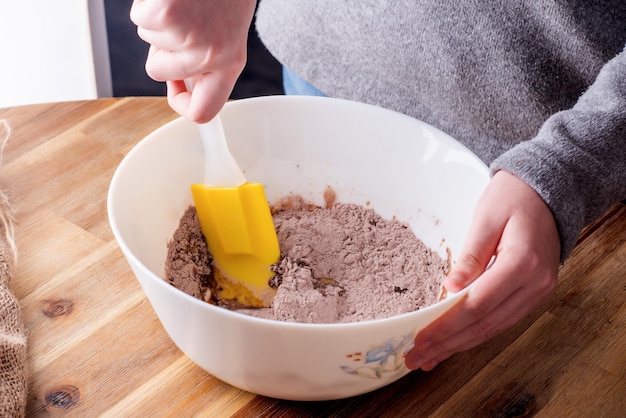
x: 512, y: 224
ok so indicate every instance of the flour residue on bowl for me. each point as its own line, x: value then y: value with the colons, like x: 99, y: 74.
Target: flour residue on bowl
x: 339, y: 263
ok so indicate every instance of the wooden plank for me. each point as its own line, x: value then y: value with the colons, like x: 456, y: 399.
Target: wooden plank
x: 96, y: 347
x: 48, y: 246
x: 34, y: 125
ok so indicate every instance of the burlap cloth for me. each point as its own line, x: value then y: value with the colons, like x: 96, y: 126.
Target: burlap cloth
x: 12, y: 332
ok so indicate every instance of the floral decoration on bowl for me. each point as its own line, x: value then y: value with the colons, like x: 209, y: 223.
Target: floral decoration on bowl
x: 381, y: 359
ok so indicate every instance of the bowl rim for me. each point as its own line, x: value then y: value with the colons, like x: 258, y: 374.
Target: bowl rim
x: 451, y: 298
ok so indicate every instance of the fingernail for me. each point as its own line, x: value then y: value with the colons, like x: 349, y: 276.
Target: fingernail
x: 455, y: 278
x: 454, y: 283
x: 428, y: 365
x: 412, y: 360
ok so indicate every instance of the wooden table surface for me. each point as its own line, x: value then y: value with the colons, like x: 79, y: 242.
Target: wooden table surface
x: 96, y: 347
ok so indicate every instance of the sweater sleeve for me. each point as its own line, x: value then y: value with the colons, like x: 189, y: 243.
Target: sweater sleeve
x: 577, y: 161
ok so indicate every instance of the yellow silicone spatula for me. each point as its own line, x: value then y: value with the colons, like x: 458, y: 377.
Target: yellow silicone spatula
x: 237, y: 223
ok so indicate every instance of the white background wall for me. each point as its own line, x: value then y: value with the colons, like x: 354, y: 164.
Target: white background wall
x: 53, y: 50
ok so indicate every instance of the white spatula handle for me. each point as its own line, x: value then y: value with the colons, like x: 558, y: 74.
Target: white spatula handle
x: 220, y: 168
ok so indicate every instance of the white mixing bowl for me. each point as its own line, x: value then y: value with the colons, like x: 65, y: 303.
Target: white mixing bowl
x: 370, y: 156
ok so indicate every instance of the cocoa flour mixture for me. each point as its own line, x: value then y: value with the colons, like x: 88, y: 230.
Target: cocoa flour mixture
x: 339, y: 263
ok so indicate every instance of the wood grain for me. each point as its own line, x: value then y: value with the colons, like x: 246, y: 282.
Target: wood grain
x: 96, y: 347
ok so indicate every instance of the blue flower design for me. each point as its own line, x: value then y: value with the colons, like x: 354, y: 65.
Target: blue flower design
x: 384, y: 358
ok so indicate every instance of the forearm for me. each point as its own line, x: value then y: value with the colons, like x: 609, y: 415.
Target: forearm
x: 577, y: 162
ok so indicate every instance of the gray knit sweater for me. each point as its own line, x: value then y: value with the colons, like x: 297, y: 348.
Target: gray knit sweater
x: 534, y: 87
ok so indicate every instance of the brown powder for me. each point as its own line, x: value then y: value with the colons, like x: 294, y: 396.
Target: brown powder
x: 340, y: 263
x: 189, y: 265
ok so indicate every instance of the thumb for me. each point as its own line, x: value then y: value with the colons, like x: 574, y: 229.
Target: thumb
x: 465, y: 270
x: 480, y: 246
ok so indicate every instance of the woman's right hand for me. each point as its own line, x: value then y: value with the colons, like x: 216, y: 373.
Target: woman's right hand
x: 200, y: 40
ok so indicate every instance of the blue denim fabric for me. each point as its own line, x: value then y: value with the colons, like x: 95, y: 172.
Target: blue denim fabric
x: 294, y: 85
